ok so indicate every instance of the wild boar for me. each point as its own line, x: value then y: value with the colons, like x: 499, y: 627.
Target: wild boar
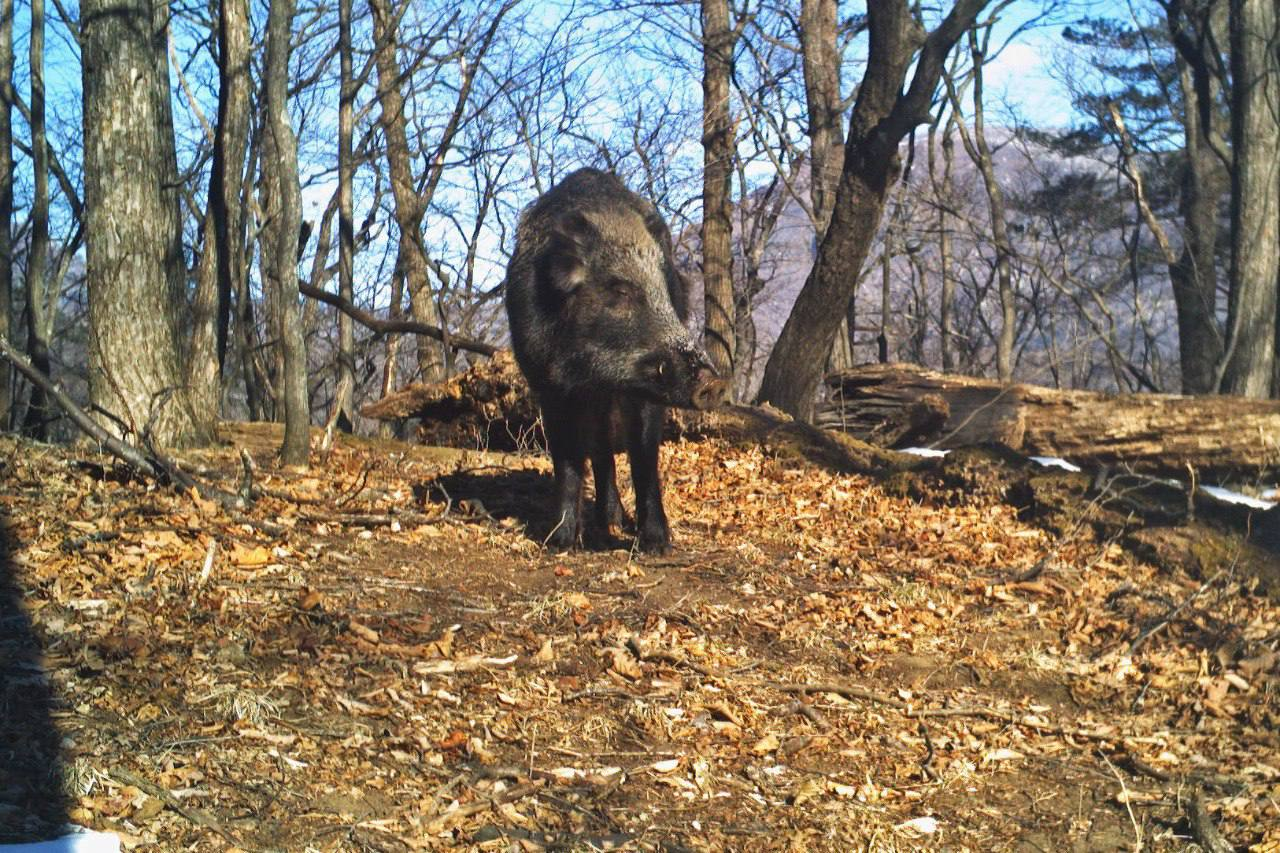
x: 597, y: 312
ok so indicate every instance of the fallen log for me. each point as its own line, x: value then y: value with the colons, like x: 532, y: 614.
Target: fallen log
x: 1225, y: 439
x: 488, y: 407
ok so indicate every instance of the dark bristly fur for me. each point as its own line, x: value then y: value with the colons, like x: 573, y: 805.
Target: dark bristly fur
x: 597, y: 312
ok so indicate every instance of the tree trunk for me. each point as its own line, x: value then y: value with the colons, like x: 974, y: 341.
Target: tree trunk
x: 221, y: 260
x: 820, y: 55
x: 1255, y: 198
x: 6, y: 204
x: 882, y: 117
x: 718, y: 41
x: 979, y: 152
x: 344, y: 401
x: 281, y: 161
x: 411, y: 256
x: 1194, y: 276
x: 39, y: 306
x: 901, y: 405
x: 133, y: 245
x: 948, y: 295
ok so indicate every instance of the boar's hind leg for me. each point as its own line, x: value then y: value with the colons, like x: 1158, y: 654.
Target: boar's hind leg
x: 644, y: 435
x: 569, y: 459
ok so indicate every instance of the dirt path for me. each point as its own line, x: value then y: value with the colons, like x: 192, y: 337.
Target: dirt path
x: 379, y: 655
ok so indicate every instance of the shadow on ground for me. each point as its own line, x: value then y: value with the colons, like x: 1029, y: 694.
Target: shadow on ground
x: 521, y: 495
x: 33, y: 805
x: 524, y: 496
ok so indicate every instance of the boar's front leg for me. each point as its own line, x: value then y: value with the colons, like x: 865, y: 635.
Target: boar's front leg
x: 610, y: 436
x: 644, y: 436
x: 569, y: 460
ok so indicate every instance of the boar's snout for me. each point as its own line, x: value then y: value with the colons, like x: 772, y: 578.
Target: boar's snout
x: 708, y: 388
x: 682, y: 376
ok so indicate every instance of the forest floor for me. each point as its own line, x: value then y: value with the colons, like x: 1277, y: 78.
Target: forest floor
x: 379, y: 655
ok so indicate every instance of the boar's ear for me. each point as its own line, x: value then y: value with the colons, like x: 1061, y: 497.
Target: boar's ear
x: 658, y: 229
x: 563, y: 266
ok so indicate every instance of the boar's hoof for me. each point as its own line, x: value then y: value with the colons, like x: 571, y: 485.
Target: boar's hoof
x: 655, y: 540
x: 563, y: 538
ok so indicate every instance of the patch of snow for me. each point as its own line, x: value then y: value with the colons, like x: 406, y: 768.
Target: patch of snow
x: 924, y: 451
x: 77, y: 840
x: 1228, y: 496
x: 1055, y: 462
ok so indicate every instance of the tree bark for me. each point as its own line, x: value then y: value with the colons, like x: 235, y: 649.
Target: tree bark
x: 1204, y: 180
x: 39, y: 305
x: 134, y: 263
x: 411, y: 256
x: 882, y: 116
x: 820, y: 57
x: 979, y: 151
x: 344, y: 401
x: 821, y: 65
x: 901, y: 404
x: 718, y: 41
x: 947, y: 298
x: 281, y: 161
x: 6, y: 203
x: 221, y: 261
x: 1255, y: 198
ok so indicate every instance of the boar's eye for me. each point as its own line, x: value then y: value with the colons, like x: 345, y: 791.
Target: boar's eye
x: 620, y: 290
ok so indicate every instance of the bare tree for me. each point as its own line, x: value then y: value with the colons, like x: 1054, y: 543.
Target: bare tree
x: 719, y: 37
x: 882, y: 116
x: 280, y: 173
x: 1195, y: 28
x: 132, y: 236
x: 344, y: 402
x: 979, y: 151
x: 1255, y: 198
x: 42, y: 295
x: 6, y: 202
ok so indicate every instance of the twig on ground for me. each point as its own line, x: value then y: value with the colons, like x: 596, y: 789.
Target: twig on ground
x: 1204, y: 830
x: 1125, y: 798
x: 849, y: 691
x: 360, y: 484
x: 810, y: 713
x: 1166, y: 619
x: 192, y: 814
x: 510, y: 795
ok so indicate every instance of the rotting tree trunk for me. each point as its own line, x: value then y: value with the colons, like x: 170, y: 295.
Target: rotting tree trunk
x: 901, y: 404
x: 281, y: 161
x: 882, y: 116
x: 1255, y: 198
x: 6, y: 203
x: 133, y: 244
x: 718, y: 40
